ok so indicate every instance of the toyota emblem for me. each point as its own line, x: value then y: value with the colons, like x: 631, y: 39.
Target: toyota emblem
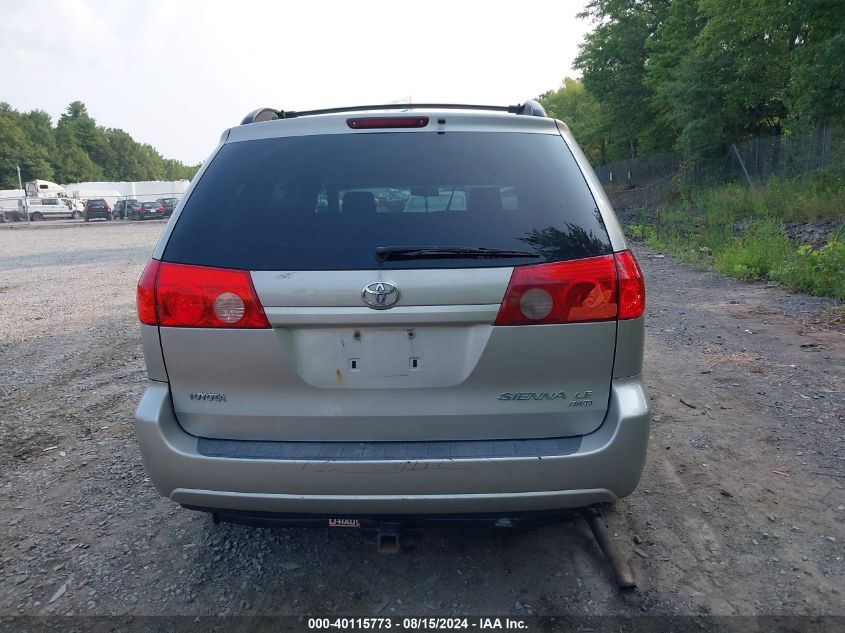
x: 380, y: 295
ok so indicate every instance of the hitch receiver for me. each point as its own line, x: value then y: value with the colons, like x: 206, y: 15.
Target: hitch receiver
x: 387, y: 538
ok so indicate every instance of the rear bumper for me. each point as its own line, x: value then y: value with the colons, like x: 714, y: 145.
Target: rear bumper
x: 606, y: 466
x: 93, y: 215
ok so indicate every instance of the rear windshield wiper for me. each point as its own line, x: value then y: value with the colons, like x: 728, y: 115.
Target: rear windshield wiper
x: 384, y: 253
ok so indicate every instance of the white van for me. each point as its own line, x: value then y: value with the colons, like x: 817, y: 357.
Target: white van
x: 47, y: 208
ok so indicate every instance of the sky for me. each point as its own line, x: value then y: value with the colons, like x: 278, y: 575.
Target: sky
x: 176, y: 73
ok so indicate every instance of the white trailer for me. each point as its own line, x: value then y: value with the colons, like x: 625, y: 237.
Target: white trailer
x: 45, y: 189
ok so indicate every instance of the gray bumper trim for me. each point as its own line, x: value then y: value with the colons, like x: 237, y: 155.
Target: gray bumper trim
x: 607, y: 465
x: 363, y: 451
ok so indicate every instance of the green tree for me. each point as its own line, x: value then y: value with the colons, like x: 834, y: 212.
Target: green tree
x: 72, y: 163
x: 127, y: 163
x: 817, y: 77
x: 152, y: 163
x: 699, y: 75
x: 669, y: 48
x: 12, y: 143
x: 89, y: 136
x: 174, y: 170
x: 17, y: 149
x: 747, y: 47
x: 729, y: 82
x: 613, y: 61
x: 572, y: 104
x: 696, y: 102
x: 39, y: 130
x: 76, y: 150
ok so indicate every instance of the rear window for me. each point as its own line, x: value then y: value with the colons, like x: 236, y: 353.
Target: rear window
x: 328, y: 202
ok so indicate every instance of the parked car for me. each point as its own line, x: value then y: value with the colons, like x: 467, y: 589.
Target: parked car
x: 146, y: 211
x: 168, y: 204
x: 329, y: 361
x: 45, y: 208
x: 123, y: 208
x: 97, y: 208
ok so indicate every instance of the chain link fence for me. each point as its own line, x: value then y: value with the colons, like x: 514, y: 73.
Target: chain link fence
x: 637, y: 186
x: 762, y: 159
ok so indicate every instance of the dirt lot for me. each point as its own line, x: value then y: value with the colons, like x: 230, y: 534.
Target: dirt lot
x: 741, y: 509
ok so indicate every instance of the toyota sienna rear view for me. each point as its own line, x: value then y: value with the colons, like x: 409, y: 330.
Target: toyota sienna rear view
x: 368, y: 312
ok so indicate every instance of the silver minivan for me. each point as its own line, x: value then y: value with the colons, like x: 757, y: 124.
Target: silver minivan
x: 365, y: 312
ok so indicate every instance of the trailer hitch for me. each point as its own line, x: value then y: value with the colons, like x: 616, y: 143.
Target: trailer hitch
x: 390, y: 529
x: 387, y: 538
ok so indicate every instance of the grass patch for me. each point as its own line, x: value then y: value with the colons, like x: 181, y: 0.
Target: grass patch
x: 740, y: 232
x: 818, y: 272
x: 761, y: 250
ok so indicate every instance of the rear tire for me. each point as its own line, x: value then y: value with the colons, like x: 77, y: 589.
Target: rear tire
x: 109, y: 217
x: 76, y: 215
x: 36, y: 217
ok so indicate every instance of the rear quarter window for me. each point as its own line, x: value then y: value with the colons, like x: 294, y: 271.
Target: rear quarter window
x: 327, y: 202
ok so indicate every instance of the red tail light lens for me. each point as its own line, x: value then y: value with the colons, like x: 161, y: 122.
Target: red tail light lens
x: 631, y: 286
x: 593, y: 289
x: 146, y: 296
x: 370, y: 123
x: 198, y: 296
x: 561, y: 292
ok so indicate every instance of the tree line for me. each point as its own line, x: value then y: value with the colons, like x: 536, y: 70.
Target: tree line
x: 695, y: 76
x: 76, y: 149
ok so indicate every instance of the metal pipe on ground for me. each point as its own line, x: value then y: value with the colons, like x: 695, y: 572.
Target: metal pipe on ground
x: 622, y: 573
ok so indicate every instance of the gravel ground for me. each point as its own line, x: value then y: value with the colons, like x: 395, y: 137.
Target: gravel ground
x: 741, y: 509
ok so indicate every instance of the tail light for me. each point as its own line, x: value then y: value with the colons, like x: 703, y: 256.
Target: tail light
x: 178, y: 295
x: 108, y: 208
x: 87, y: 207
x: 376, y: 122
x: 602, y: 288
x: 145, y: 298
x: 631, y: 286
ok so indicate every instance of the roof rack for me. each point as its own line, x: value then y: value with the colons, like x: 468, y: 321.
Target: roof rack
x: 530, y: 108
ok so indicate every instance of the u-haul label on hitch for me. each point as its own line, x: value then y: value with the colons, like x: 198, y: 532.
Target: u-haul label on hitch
x: 347, y: 523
